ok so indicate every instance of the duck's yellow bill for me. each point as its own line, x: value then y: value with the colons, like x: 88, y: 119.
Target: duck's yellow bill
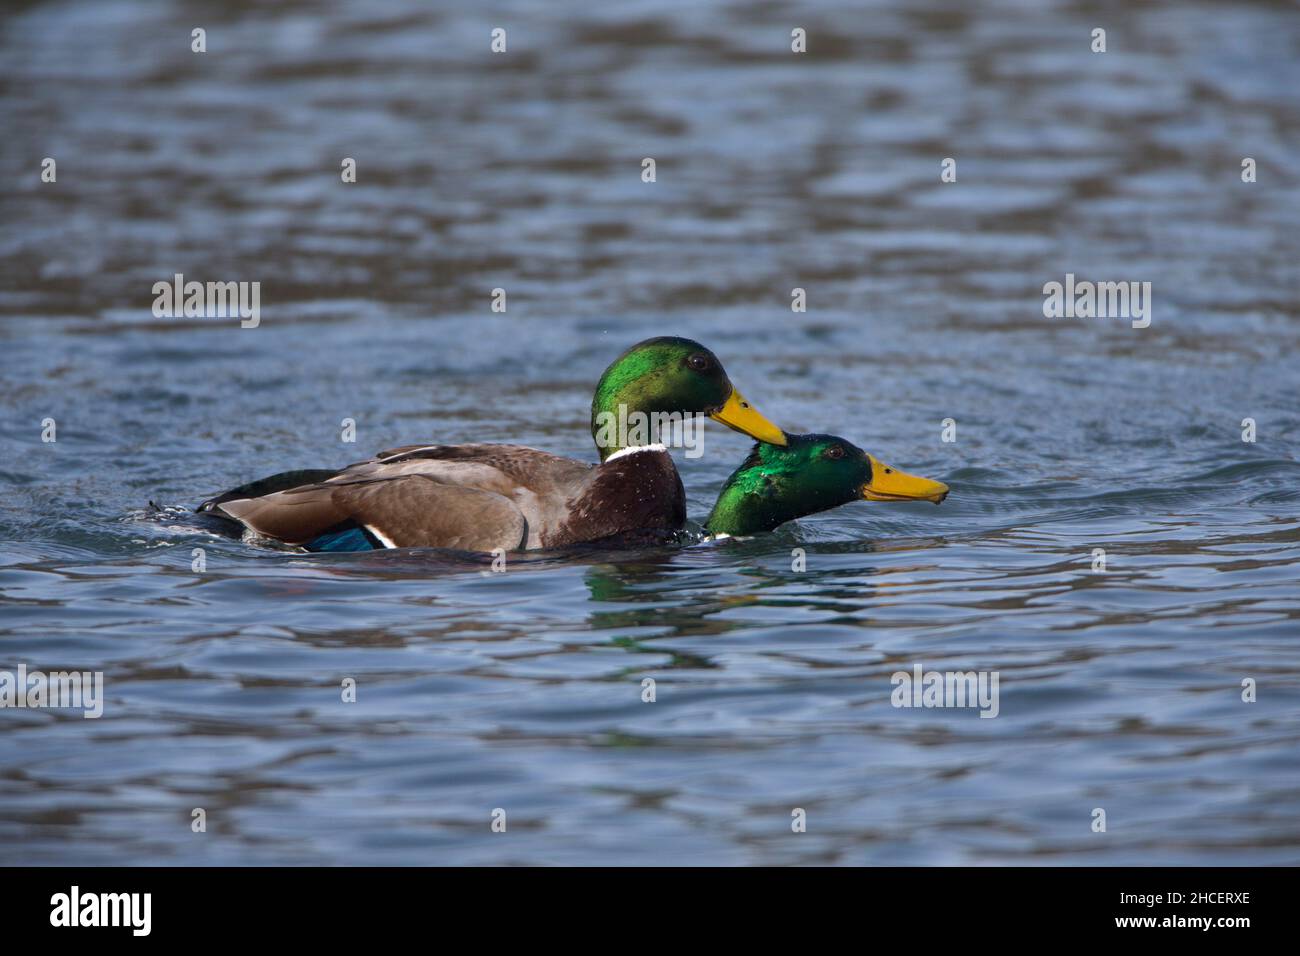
x: 890, y: 484
x: 737, y: 413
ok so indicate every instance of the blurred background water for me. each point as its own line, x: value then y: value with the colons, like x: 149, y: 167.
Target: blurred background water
x: 522, y: 690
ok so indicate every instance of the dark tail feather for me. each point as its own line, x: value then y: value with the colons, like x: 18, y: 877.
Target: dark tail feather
x: 268, y: 486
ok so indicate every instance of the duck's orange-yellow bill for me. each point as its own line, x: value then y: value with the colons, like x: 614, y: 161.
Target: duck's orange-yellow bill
x: 737, y: 413
x: 890, y: 484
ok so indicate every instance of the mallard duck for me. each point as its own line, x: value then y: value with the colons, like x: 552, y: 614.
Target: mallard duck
x: 809, y: 473
x: 510, y: 497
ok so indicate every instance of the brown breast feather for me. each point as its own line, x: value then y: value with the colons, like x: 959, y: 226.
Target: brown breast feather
x: 633, y: 492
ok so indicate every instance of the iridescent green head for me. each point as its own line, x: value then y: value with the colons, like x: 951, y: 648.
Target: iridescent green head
x: 663, y: 376
x: 810, y: 473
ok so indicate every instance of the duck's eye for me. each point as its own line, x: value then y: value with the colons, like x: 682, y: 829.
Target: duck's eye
x: 699, y: 362
x: 835, y: 451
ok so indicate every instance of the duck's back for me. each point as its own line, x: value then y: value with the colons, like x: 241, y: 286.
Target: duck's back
x: 476, y: 497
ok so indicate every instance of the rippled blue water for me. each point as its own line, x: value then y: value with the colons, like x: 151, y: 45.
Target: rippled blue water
x: 522, y: 691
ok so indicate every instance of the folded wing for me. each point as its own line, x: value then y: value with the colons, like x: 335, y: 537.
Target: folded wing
x: 411, y: 511
x: 475, y: 497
